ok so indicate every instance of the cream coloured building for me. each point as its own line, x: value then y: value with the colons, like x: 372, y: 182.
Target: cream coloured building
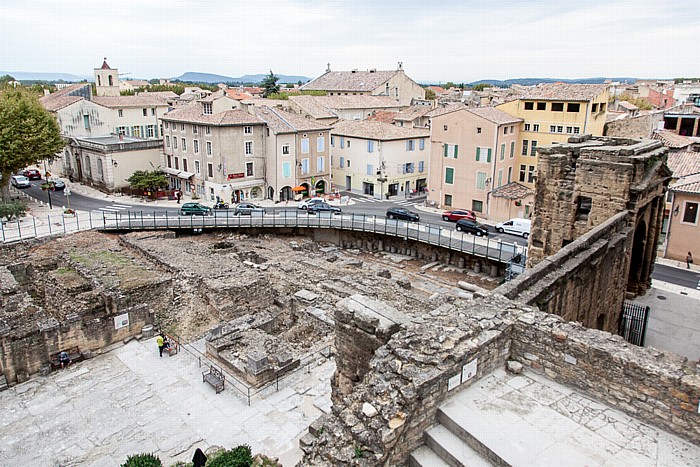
x: 377, y: 158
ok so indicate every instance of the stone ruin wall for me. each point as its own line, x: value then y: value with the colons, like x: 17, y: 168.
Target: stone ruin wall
x: 583, y: 280
x: 386, y: 413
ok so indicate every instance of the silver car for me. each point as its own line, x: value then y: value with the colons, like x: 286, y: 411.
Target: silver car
x: 20, y: 181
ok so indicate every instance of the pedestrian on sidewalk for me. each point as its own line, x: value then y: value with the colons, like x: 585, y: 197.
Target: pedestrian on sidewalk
x: 178, y: 195
x: 160, y: 340
x: 689, y: 259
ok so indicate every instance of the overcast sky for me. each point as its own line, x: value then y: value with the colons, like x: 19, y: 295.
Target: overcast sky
x: 438, y: 41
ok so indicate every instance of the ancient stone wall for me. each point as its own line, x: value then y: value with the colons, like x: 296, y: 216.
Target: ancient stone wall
x: 658, y: 387
x: 639, y: 127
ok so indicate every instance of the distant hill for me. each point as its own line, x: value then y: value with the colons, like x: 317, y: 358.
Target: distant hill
x: 532, y: 81
x: 195, y: 77
x: 30, y: 76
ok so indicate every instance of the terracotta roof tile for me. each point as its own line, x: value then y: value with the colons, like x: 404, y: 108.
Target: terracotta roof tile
x: 688, y: 184
x: 672, y: 140
x: 280, y: 121
x: 564, y: 91
x: 160, y: 94
x: 63, y: 97
x: 142, y: 100
x: 413, y: 112
x: 512, y: 190
x: 494, y: 115
x: 445, y: 110
x: 382, y: 116
x: 192, y: 113
x: 349, y: 81
x: 683, y: 163
x: 238, y: 95
x: 376, y: 130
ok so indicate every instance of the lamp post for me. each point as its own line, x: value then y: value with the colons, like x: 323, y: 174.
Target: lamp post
x: 48, y: 186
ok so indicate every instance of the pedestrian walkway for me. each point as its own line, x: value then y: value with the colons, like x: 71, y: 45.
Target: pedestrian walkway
x: 113, y: 208
x: 405, y: 202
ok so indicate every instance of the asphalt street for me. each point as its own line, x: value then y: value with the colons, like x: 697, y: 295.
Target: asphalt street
x: 673, y: 275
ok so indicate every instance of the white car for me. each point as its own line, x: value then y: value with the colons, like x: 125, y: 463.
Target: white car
x: 517, y: 226
x: 309, y: 202
x: 20, y: 181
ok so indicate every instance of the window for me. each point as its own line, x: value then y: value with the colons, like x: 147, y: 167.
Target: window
x: 320, y: 144
x: 410, y: 145
x: 145, y: 112
x: 409, y: 168
x: 342, y: 142
x: 248, y: 169
x: 197, y: 167
x: 184, y: 164
x: 529, y: 106
x: 348, y: 143
x: 206, y: 108
x: 348, y: 162
x: 177, y: 163
x: 690, y: 213
x: 332, y: 140
x: 478, y: 129
x: 535, y: 127
x: 512, y: 129
x: 167, y: 140
x: 444, y: 127
x: 505, y: 130
x: 285, y: 150
x: 194, y: 129
x: 421, y: 166
x: 448, y: 200
x: 573, y: 107
x: 209, y: 151
x: 120, y: 112
x: 523, y: 173
x: 576, y: 130
x: 421, y: 144
x: 320, y: 164
x: 174, y: 142
x: 184, y: 145
x: 207, y: 130
x: 533, y: 147
x: 569, y: 129
x: 483, y: 154
x: 100, y: 170
x: 557, y: 106
x: 210, y: 169
x: 86, y: 121
x: 552, y: 128
x: 524, y: 151
x: 512, y: 149
x: 305, y: 166
x: 287, y: 170
x: 150, y: 131
x: 541, y: 106
x: 211, y: 194
x: 248, y: 130
x: 531, y: 174
x: 583, y: 206
x: 305, y: 145
x: 167, y: 125
x: 500, y: 178
x: 594, y: 107
x: 449, y: 175
x: 370, y: 146
x: 560, y: 129
x: 477, y: 206
x: 370, y: 169
x: 342, y: 162
x: 248, y: 148
x: 153, y: 111
x: 87, y: 165
x: 195, y: 146
x: 170, y: 160
x: 510, y: 174
x: 182, y: 127
x: 503, y: 151
x: 451, y: 150
x: 480, y: 180
x: 527, y: 127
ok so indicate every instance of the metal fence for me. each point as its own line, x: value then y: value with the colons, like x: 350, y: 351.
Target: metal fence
x: 633, y: 325
x: 163, y: 220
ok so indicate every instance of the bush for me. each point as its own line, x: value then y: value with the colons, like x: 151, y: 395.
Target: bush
x: 12, y: 210
x: 239, y: 456
x: 142, y: 460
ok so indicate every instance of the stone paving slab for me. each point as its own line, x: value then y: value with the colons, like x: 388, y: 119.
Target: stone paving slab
x: 129, y: 400
x: 530, y: 420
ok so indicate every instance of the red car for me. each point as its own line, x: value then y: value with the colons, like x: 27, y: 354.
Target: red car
x: 32, y: 174
x: 458, y: 214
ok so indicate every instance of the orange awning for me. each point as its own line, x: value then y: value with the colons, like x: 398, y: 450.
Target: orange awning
x: 299, y: 188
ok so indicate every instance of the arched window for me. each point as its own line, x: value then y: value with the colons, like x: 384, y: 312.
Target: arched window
x: 110, y: 81
x: 99, y: 80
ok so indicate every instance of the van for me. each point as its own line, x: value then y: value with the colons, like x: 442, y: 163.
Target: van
x: 515, y: 226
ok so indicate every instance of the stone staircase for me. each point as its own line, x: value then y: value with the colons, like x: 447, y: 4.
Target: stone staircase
x: 3, y: 383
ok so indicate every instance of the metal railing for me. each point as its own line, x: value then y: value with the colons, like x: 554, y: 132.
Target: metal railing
x: 163, y: 220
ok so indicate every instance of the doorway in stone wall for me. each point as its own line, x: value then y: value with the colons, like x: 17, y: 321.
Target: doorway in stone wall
x: 637, y: 259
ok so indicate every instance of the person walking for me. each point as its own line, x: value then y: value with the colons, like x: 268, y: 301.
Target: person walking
x: 160, y: 340
x: 689, y: 259
x: 178, y: 195
x: 199, y: 459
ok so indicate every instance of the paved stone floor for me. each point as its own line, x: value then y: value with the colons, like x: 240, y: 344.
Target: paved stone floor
x: 529, y: 420
x: 129, y: 400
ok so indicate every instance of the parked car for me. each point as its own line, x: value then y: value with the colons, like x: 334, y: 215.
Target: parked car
x: 316, y: 208
x: 195, y: 209
x: 58, y: 185
x: 20, y: 181
x: 517, y: 226
x: 247, y: 209
x: 31, y: 174
x: 458, y: 214
x: 472, y: 227
x: 304, y: 204
x: 403, y: 214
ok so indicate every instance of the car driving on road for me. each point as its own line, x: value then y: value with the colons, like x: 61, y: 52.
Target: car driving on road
x: 20, y: 181
x: 402, y: 214
x: 195, y: 209
x: 308, y: 202
x: 31, y: 174
x: 472, y: 227
x: 323, y: 207
x: 458, y: 214
x: 248, y: 209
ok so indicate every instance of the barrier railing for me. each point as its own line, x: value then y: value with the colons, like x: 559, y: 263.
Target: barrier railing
x: 163, y: 220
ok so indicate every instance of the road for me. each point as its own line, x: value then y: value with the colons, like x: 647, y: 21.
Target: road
x: 678, y: 276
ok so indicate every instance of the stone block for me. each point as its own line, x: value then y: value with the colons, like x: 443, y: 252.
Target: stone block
x: 257, y: 363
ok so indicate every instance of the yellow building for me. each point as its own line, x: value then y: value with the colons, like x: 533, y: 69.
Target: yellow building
x: 552, y: 113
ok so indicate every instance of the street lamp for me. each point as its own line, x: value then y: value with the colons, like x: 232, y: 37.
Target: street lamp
x: 48, y: 185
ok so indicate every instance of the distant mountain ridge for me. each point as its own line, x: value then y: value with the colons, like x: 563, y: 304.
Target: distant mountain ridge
x: 43, y: 76
x: 196, y: 77
x: 533, y: 81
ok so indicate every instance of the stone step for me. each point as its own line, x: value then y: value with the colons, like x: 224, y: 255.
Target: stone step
x: 454, y: 418
x: 3, y: 382
x: 452, y: 449
x: 425, y: 457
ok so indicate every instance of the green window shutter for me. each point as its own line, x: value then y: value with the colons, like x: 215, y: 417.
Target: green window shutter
x: 444, y: 146
x: 456, y: 147
x: 488, y: 155
x: 449, y: 175
x: 478, y: 150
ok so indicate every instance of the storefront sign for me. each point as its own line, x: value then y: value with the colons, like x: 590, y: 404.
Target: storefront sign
x: 232, y: 176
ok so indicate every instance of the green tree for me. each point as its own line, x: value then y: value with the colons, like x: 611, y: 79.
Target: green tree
x: 5, y: 80
x: 12, y: 210
x: 270, y: 84
x: 449, y: 85
x: 429, y: 94
x: 142, y: 460
x: 640, y: 102
x: 240, y: 456
x: 28, y: 134
x: 148, y: 180
x: 480, y: 87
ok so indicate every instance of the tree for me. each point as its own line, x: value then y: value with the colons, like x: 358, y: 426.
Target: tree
x: 429, y: 94
x: 449, y: 85
x: 12, y: 210
x: 148, y: 180
x: 5, y: 80
x: 480, y: 86
x: 270, y: 84
x: 28, y: 134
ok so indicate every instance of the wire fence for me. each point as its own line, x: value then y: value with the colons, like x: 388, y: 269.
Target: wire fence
x: 55, y: 224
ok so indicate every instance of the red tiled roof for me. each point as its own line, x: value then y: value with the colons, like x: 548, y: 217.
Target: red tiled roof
x: 672, y: 140
x: 564, y: 92
x: 689, y: 184
x: 382, y: 116
x: 192, y: 113
x: 445, y: 110
x: 349, y: 80
x: 238, y: 95
x: 376, y: 130
x: 683, y: 163
x: 512, y: 190
x: 280, y: 121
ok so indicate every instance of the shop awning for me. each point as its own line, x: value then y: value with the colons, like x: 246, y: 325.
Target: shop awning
x: 170, y: 171
x: 185, y: 175
x: 299, y: 188
x: 246, y: 184
x: 177, y: 173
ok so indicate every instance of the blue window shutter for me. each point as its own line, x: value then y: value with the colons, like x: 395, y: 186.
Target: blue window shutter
x: 422, y: 144
x: 420, y: 166
x: 342, y: 162
x: 370, y: 146
x: 342, y: 142
x: 478, y: 151
x: 408, y: 145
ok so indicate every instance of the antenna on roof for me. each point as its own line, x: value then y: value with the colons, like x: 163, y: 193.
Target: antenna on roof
x: 400, y: 65
x: 328, y: 70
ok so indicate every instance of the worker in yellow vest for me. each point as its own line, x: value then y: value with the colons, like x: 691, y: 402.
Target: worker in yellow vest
x: 160, y: 340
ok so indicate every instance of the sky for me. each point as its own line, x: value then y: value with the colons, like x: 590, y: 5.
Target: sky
x: 437, y: 41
